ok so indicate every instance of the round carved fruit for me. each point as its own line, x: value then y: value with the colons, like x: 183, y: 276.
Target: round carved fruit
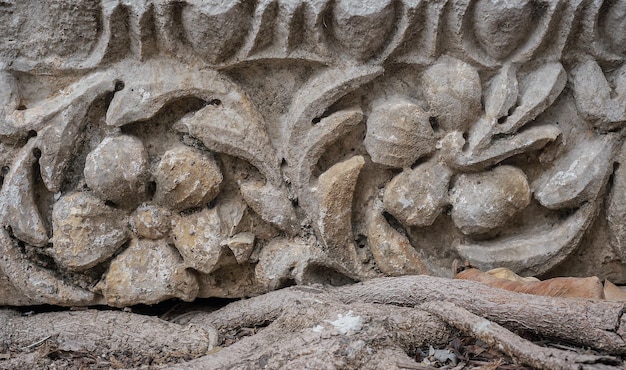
x: 216, y: 28
x: 362, y: 27
x: 453, y: 91
x: 398, y: 133
x: 186, y: 178
x: 417, y: 196
x: 86, y: 232
x: 501, y: 26
x: 117, y: 170
x: 483, y: 201
x: 151, y: 222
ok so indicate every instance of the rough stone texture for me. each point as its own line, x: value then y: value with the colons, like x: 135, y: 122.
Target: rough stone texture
x: 159, y: 149
x: 186, y: 179
x: 505, y: 188
x: 147, y: 271
x: 86, y: 231
x: 117, y: 170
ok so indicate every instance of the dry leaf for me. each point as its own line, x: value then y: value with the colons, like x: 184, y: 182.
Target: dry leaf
x: 613, y: 293
x: 505, y: 273
x: 566, y: 287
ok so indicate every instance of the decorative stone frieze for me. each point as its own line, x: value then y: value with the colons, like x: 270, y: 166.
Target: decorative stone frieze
x: 181, y: 149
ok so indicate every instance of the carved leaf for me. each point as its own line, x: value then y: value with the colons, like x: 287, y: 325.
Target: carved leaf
x: 501, y: 93
x: 592, y: 95
x: 334, y: 222
x: 533, y: 138
x: 532, y: 253
x: 578, y: 176
x: 308, y: 106
x: 38, y: 117
x: 223, y: 129
x: 330, y: 130
x: 271, y: 204
x: 64, y: 128
x: 538, y: 90
x: 17, y: 203
x: 37, y: 283
x: 392, y: 251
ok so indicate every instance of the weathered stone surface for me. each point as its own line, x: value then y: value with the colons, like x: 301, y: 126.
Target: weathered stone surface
x: 452, y: 89
x: 416, y: 197
x: 86, y: 231
x: 484, y: 201
x: 398, y: 133
x: 117, y: 170
x: 198, y: 237
x: 186, y: 178
x: 148, y: 272
x: 151, y: 222
x: 226, y: 148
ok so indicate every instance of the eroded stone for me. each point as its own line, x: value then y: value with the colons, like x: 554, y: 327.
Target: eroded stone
x: 198, y: 237
x: 151, y: 222
x: 398, y: 133
x: 417, y: 196
x: 485, y: 200
x: 148, y: 272
x: 186, y: 178
x: 86, y: 232
x: 117, y: 170
x: 453, y: 91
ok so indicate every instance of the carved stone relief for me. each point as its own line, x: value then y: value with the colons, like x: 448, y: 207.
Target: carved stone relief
x: 181, y: 149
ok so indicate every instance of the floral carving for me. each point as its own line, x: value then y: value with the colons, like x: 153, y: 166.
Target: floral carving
x: 401, y: 135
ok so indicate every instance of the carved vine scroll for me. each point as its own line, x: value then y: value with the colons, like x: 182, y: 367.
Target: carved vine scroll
x: 182, y: 149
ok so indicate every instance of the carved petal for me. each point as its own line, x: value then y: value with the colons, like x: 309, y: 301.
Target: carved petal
x: 86, y: 231
x: 148, y: 271
x: 538, y: 90
x: 37, y: 283
x: 533, y: 253
x: 579, y: 175
x: 392, y: 251
x: 335, y: 190
x: 17, y: 203
x: 501, y: 93
x: 533, y: 138
x: 198, y: 238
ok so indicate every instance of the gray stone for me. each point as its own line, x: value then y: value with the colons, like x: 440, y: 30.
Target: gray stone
x: 117, y: 170
x: 86, y: 232
x: 398, y: 133
x: 416, y: 197
x: 483, y: 201
x: 242, y: 146
x: 186, y: 178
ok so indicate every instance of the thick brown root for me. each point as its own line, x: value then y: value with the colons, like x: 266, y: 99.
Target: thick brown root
x: 371, y: 325
x: 102, y: 333
x: 524, y: 351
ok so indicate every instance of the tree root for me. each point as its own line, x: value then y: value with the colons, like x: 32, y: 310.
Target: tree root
x: 370, y: 325
x: 102, y: 333
x: 526, y: 352
x: 590, y: 323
